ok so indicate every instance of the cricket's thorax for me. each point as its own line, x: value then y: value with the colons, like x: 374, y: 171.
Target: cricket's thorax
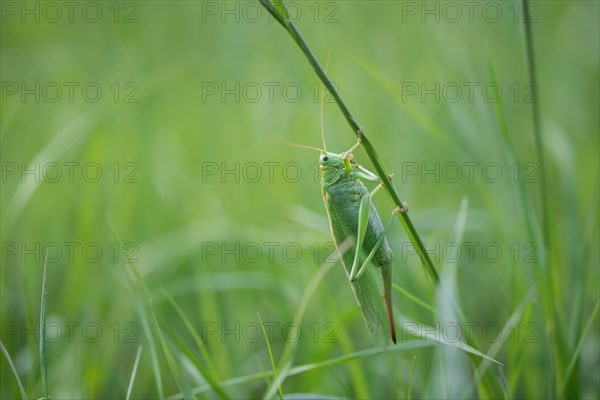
x: 333, y: 175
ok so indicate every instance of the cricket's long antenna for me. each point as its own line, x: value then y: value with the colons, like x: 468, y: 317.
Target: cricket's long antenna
x: 302, y: 146
x: 323, y: 100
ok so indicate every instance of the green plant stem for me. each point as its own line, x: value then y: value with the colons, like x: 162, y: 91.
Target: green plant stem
x: 43, y: 332
x: 404, y: 219
x: 545, y: 276
x: 536, y: 119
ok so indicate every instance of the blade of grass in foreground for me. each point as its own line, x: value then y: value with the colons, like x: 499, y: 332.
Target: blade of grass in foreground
x: 262, y: 326
x: 505, y: 333
x: 134, y: 372
x: 537, y: 130
x: 267, y: 378
x: 14, y: 370
x: 450, y: 310
x: 511, y: 154
x: 429, y: 333
x: 312, y: 396
x: 180, y: 380
x: 415, y: 299
x: 67, y: 137
x: 209, y: 373
x: 554, y: 336
x: 143, y: 315
x: 138, y: 290
x: 423, y: 342
x: 536, y: 230
x: 356, y: 370
x: 412, y: 375
x: 410, y: 345
x: 454, y: 372
x: 579, y: 347
x: 192, y: 357
x: 285, y: 362
x: 43, y: 368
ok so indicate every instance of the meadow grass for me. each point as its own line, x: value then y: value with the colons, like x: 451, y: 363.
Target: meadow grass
x: 170, y: 309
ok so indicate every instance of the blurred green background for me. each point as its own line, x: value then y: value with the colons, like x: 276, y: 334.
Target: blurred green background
x: 143, y: 150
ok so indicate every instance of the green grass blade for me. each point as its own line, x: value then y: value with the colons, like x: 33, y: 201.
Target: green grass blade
x: 192, y: 330
x: 262, y: 326
x: 515, y: 318
x: 267, y: 378
x: 451, y: 311
x: 280, y: 7
x: 151, y: 344
x: 14, y: 370
x: 579, y: 347
x: 415, y: 299
x: 134, y: 372
x: 511, y: 154
x: 71, y: 135
x: 312, y: 396
x: 279, y: 12
x: 431, y: 334
x: 138, y: 291
x: 278, y: 380
x: 535, y: 114
x: 43, y: 368
x: 346, y: 358
x: 406, y: 346
x: 214, y: 384
x: 411, y: 345
x: 412, y: 375
x: 537, y: 226
x: 286, y: 358
x: 180, y: 379
x: 358, y: 374
x: 427, y: 124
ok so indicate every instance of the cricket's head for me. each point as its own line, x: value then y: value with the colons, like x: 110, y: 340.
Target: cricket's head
x: 330, y: 160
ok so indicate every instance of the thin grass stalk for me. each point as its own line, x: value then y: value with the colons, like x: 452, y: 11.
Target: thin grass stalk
x: 535, y: 111
x: 13, y: 369
x: 547, y: 280
x: 43, y: 368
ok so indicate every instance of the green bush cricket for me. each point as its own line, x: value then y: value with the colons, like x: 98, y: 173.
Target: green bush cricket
x: 351, y: 213
x: 368, y: 262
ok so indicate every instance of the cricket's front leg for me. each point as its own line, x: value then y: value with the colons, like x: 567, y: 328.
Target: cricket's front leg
x: 359, y: 133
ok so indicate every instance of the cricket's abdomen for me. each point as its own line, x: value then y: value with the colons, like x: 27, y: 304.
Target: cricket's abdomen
x: 343, y: 202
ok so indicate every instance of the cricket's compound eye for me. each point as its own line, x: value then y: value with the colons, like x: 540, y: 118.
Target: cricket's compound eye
x: 324, y: 158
